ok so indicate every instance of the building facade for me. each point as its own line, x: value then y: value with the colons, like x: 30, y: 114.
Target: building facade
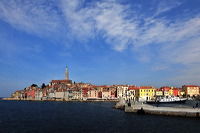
x: 191, y: 90
x: 145, y: 93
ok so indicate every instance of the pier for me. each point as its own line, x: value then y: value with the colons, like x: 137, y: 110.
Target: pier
x: 141, y: 108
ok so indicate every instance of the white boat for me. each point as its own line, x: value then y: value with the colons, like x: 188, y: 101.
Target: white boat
x: 168, y: 99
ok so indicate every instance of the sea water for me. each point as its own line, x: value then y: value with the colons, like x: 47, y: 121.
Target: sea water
x: 72, y: 117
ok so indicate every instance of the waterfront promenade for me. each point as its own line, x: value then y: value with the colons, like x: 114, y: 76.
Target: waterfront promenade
x: 142, y: 108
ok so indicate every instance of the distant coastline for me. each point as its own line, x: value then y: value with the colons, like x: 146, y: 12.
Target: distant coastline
x: 66, y: 90
x: 74, y: 100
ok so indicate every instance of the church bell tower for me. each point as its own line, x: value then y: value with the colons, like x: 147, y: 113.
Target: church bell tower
x: 66, y: 74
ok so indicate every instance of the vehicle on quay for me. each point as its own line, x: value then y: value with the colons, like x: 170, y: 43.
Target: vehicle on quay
x: 168, y: 99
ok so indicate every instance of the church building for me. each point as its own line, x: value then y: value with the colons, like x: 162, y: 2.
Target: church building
x: 65, y: 81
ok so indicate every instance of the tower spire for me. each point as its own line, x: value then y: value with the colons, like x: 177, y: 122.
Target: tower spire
x: 66, y: 73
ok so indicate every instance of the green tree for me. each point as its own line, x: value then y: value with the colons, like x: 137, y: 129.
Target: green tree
x: 34, y: 85
x: 43, y: 86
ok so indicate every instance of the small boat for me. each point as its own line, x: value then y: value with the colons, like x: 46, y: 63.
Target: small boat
x: 168, y: 99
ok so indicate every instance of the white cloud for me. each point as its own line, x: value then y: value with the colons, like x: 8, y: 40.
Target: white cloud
x: 165, y: 6
x: 35, y: 17
x: 121, y: 25
x: 113, y: 22
x: 79, y: 19
x: 107, y: 19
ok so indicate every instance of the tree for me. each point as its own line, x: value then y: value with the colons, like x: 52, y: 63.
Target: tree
x: 43, y: 86
x: 34, y: 85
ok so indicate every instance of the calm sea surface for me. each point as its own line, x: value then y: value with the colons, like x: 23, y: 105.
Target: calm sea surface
x: 68, y: 117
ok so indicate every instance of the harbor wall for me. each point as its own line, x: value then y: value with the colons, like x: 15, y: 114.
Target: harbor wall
x: 173, y: 113
x: 170, y: 111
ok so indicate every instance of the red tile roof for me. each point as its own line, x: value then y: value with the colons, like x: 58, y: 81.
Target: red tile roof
x: 60, y: 90
x: 56, y: 81
x: 64, y: 89
x: 191, y: 85
x: 146, y: 87
x: 132, y: 88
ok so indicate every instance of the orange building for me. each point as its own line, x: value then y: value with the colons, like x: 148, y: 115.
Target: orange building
x: 191, y: 90
x: 93, y: 93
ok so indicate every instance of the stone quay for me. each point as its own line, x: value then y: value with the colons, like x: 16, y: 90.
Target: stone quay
x: 171, y: 111
x: 143, y: 108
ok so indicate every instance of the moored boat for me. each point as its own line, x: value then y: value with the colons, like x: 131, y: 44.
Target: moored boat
x: 168, y: 99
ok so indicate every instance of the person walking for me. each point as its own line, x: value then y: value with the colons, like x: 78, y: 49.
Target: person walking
x: 197, y: 104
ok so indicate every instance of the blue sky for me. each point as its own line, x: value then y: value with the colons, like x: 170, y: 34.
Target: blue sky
x: 136, y: 42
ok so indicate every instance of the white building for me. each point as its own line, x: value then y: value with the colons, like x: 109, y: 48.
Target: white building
x: 61, y: 94
x: 38, y: 94
x: 122, y: 91
x: 106, y: 94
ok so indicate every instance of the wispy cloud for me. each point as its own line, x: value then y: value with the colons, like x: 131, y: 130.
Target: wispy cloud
x: 122, y: 26
x: 123, y: 29
x: 166, y: 6
x: 35, y: 17
x: 116, y: 23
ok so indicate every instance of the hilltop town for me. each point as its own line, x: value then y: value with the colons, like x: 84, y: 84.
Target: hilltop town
x: 66, y: 90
